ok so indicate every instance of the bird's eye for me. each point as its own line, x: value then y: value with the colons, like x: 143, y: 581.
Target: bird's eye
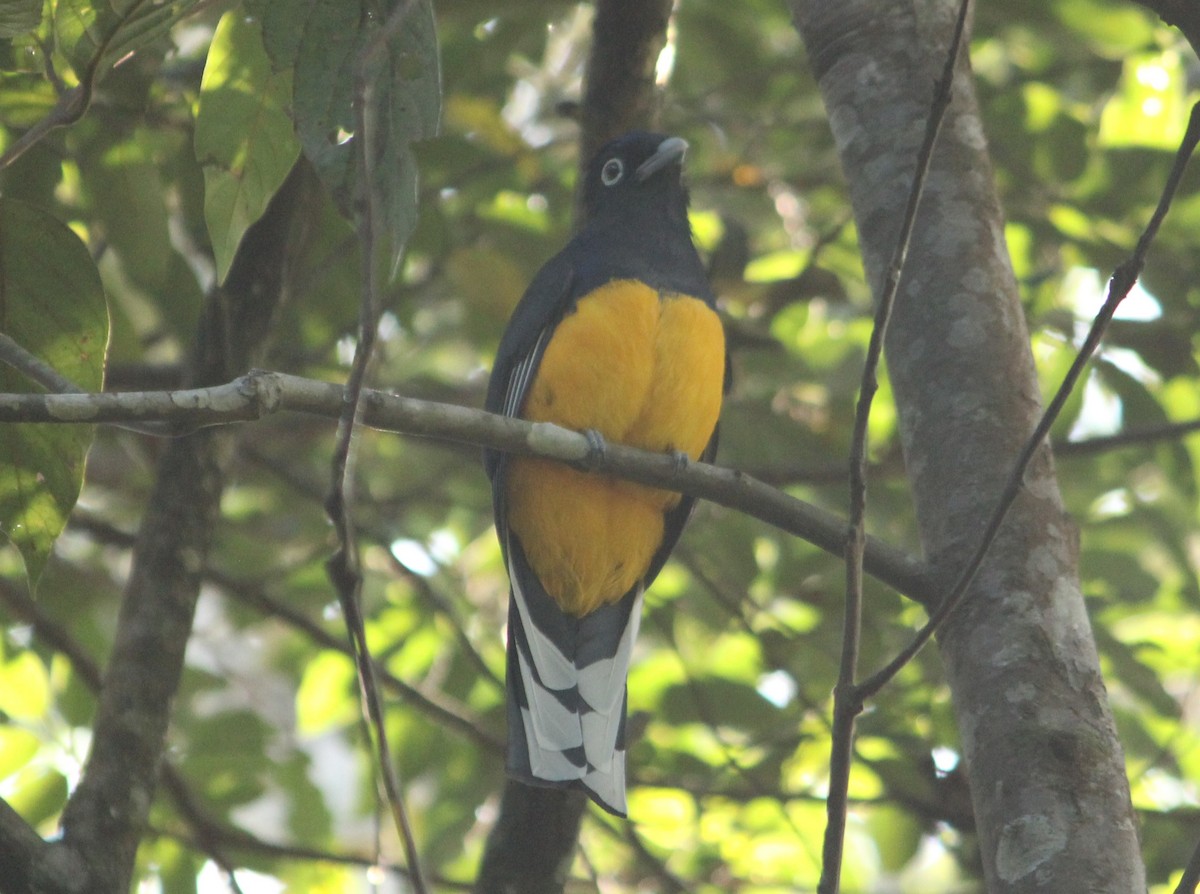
x: 612, y: 172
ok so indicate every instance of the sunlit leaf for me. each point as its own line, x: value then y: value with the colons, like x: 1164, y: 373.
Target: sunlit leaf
x: 38, y: 794
x: 24, y: 687
x: 1149, y: 107
x: 17, y: 748
x: 243, y: 136
x: 325, y: 698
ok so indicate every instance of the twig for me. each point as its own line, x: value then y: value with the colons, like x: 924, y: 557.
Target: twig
x: 847, y: 697
x: 88, y: 670
x: 74, y: 103
x: 1190, y: 879
x: 1123, y: 280
x: 343, y: 565
x: 1168, y: 431
x: 210, y: 834
x: 440, y: 710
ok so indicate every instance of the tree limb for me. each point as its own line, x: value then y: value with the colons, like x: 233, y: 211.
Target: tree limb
x: 21, y: 848
x: 1032, y: 712
x: 261, y: 393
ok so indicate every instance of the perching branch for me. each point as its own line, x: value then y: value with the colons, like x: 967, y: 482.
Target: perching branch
x: 262, y: 393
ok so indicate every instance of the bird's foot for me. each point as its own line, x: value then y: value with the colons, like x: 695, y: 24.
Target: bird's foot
x: 681, y: 460
x: 597, y: 448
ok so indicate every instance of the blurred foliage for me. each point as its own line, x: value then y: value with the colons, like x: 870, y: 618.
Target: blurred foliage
x: 730, y: 695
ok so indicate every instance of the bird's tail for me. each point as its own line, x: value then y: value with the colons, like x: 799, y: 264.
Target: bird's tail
x: 566, y: 689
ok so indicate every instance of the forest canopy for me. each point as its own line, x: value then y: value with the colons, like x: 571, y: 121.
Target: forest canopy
x: 165, y: 165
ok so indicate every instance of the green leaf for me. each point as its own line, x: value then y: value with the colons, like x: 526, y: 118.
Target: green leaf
x: 52, y: 304
x: 39, y: 794
x: 19, y: 17
x: 25, y: 685
x: 244, y: 136
x: 17, y: 748
x: 128, y: 195
x: 324, y: 699
x: 402, y: 91
x: 1150, y: 105
x: 96, y: 36
x: 896, y: 835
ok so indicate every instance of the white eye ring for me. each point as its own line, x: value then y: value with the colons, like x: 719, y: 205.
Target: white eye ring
x: 612, y: 172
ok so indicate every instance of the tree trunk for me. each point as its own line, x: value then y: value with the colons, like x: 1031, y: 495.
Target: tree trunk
x: 105, y: 819
x: 1048, y: 783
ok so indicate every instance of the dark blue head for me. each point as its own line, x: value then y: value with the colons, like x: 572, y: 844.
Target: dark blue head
x: 634, y: 174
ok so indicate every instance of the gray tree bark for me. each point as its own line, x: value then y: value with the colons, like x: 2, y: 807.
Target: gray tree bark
x: 1047, y: 775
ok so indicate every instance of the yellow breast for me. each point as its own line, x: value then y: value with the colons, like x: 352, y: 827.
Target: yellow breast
x: 643, y: 369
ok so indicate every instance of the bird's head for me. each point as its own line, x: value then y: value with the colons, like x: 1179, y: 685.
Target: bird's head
x: 635, y: 173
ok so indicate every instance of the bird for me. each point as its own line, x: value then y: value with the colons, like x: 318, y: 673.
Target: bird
x: 617, y: 336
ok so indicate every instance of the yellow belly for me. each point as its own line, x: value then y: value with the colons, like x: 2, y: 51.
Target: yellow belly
x: 643, y: 370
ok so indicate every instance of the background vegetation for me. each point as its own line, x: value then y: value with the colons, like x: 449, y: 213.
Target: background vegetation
x: 174, y: 127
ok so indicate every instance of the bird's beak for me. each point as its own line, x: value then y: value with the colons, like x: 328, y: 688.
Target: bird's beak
x: 669, y: 150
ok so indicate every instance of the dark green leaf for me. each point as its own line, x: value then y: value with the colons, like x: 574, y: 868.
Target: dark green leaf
x: 97, y: 36
x: 18, y: 17
x: 401, y: 87
x: 52, y: 304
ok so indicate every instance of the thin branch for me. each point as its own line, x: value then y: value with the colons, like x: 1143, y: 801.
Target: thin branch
x: 35, y: 368
x: 1151, y: 434
x: 74, y: 103
x: 1190, y: 879
x: 261, y: 393
x: 847, y: 697
x: 42, y: 373
x: 209, y: 834
x: 343, y: 566
x: 1122, y: 282
x: 437, y: 709
x: 244, y: 842
x: 664, y: 878
x: 53, y: 634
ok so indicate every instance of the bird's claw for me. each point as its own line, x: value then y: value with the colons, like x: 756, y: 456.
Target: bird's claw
x: 681, y: 460
x: 597, y: 447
